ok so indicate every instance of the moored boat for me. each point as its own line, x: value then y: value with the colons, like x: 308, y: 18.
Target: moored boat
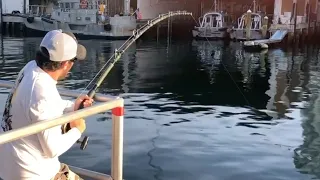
x: 213, y: 25
x: 84, y: 20
x: 250, y: 26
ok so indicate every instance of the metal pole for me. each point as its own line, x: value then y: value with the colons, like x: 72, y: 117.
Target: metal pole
x: 201, y: 8
x: 24, y: 6
x: 169, y: 27
x: 158, y: 27
x: 295, y: 22
x: 248, y: 22
x: 117, y: 143
x: 171, y: 21
x: 1, y: 23
x: 126, y: 7
x: 308, y: 15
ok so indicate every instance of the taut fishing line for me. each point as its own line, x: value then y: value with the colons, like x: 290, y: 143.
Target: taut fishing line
x: 244, y: 97
x: 225, y: 68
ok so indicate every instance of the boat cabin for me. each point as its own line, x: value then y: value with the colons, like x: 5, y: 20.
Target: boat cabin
x: 212, y: 20
x: 256, y: 21
x: 78, y: 12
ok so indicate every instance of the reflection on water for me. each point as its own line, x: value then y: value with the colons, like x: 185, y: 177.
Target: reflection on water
x: 197, y: 110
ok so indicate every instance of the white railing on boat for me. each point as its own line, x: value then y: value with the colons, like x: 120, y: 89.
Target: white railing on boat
x: 115, y: 104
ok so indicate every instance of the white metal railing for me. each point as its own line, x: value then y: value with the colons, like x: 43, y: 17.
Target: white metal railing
x: 108, y: 103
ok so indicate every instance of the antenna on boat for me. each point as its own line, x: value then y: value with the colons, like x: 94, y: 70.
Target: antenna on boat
x: 215, y: 5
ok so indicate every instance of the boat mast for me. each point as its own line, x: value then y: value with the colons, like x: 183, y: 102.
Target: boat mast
x: 215, y: 5
x: 254, y: 6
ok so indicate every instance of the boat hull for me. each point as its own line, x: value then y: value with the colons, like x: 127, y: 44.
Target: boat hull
x: 241, y: 35
x: 119, y: 30
x: 39, y: 33
x: 206, y: 33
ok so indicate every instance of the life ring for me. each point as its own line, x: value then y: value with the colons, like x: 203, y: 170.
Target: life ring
x: 107, y: 27
x: 83, y: 4
x: 30, y: 19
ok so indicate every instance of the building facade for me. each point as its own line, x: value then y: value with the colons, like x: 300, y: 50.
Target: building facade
x: 235, y: 8
x: 284, y: 11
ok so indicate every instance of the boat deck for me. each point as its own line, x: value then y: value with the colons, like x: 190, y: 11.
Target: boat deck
x: 277, y: 37
x: 89, y: 175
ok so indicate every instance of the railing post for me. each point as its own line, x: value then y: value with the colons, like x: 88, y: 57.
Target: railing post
x: 117, y: 143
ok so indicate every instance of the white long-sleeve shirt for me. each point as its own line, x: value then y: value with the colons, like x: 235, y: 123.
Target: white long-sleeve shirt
x: 36, y: 156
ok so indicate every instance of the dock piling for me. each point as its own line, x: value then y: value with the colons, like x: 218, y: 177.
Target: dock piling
x: 248, y: 22
x: 295, y: 22
x: 158, y: 28
x: 168, y: 34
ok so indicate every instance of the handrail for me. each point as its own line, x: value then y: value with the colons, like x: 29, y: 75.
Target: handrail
x: 116, y: 104
x: 66, y: 118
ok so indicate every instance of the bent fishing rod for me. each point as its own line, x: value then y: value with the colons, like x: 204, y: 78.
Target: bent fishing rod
x: 114, y: 58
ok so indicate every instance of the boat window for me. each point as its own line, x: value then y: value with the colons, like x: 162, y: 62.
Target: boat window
x: 61, y: 5
x: 72, y: 5
x: 200, y: 20
x: 67, y: 5
x: 208, y: 19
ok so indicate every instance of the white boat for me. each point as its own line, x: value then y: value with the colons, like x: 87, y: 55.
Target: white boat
x: 83, y: 20
x: 239, y: 32
x: 256, y: 31
x: 212, y: 25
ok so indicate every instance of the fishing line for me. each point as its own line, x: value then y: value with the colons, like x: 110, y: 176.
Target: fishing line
x: 226, y: 69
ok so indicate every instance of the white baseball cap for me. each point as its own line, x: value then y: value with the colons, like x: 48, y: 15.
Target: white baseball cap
x: 63, y: 46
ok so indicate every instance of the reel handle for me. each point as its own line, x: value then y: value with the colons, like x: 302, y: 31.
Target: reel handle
x: 83, y: 143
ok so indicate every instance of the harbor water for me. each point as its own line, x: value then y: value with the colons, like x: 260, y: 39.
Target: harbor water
x: 197, y: 110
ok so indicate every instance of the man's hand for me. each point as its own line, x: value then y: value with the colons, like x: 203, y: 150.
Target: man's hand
x: 80, y: 124
x: 88, y: 102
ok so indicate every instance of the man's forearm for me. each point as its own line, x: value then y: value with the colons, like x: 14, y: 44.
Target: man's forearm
x: 54, y: 143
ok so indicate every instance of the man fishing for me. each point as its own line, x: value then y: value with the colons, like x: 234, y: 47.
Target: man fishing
x: 35, y: 98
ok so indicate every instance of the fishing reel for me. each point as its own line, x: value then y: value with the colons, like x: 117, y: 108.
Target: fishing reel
x: 83, y: 144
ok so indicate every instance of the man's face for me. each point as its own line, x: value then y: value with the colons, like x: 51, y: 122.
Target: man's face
x: 66, y: 69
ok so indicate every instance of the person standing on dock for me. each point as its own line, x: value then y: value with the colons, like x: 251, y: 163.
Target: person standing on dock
x: 35, y: 98
x: 137, y: 14
x: 102, y: 7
